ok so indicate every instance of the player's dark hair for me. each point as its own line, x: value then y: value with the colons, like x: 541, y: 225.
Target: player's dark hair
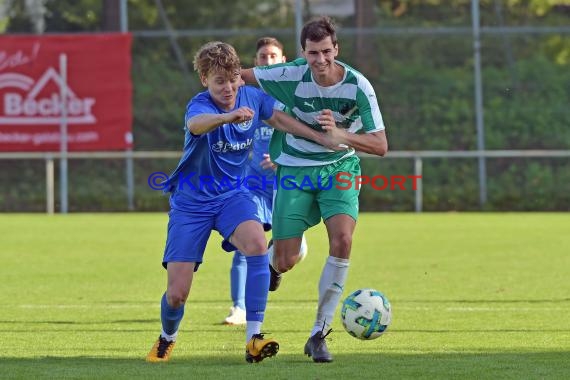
x: 218, y: 57
x: 264, y: 41
x: 318, y: 29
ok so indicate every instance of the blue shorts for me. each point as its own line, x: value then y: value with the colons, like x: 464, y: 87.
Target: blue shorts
x: 189, y: 228
x: 264, y: 204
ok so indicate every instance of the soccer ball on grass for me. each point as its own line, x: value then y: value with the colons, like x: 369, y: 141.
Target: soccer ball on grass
x: 366, y: 314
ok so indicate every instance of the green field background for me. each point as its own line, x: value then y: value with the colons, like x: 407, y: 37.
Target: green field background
x: 474, y: 296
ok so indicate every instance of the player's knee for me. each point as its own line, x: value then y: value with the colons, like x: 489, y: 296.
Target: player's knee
x: 286, y: 263
x: 176, y: 297
x: 341, y: 244
x: 255, y: 246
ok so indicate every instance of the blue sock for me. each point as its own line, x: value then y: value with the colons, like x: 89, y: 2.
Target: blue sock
x: 256, y: 287
x: 237, y: 279
x: 170, y: 317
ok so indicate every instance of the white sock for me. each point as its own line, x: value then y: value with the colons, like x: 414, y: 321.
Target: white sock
x: 170, y: 338
x: 270, y: 255
x: 252, y: 328
x: 304, y: 246
x: 331, y: 286
x: 303, y: 250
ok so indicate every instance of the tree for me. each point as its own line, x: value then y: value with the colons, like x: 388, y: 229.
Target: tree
x: 366, y: 49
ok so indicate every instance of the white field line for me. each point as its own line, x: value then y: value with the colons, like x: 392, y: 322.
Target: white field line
x: 292, y: 305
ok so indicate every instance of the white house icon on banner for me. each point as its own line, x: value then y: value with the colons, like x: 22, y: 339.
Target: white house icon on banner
x: 33, y: 110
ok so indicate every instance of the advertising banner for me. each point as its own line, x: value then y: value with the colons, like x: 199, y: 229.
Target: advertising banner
x: 98, y: 92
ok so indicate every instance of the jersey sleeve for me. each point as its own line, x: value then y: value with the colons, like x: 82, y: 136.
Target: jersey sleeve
x: 200, y: 104
x: 371, y: 116
x: 266, y: 106
x: 280, y: 80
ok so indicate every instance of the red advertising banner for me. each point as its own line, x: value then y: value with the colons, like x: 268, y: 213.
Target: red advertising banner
x: 99, y: 92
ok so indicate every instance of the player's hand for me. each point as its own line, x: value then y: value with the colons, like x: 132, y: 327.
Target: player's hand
x: 334, y: 138
x: 326, y: 120
x: 240, y: 115
x: 267, y: 163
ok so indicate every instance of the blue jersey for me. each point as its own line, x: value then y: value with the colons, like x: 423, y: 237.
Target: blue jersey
x: 265, y: 177
x: 214, y: 164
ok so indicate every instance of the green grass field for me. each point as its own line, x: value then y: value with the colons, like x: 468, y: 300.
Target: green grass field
x: 474, y: 296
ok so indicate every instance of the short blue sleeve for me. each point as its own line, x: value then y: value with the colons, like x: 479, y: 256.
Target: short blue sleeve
x: 200, y: 104
x: 266, y: 106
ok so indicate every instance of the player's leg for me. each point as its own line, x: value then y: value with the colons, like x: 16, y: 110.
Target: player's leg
x: 256, y: 289
x: 238, y: 224
x: 285, y: 253
x: 247, y: 230
x: 275, y: 278
x: 339, y: 209
x: 295, y: 210
x: 185, y: 244
x: 335, y: 271
x: 331, y: 285
x: 172, y: 309
x: 288, y: 256
x: 238, y: 273
x: 180, y: 276
x: 237, y: 290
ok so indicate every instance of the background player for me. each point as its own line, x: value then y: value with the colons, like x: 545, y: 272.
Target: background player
x: 269, y: 51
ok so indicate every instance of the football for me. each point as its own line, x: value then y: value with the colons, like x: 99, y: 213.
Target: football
x: 366, y: 314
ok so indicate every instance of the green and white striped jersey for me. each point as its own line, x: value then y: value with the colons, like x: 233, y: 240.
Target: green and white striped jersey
x: 352, y: 100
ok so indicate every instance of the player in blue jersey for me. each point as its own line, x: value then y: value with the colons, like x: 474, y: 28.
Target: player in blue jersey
x: 269, y: 51
x: 207, y: 193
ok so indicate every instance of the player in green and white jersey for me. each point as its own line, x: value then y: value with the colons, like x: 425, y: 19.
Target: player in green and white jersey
x: 319, y: 90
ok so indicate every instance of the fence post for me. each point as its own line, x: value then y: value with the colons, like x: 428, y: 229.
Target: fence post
x: 63, y: 134
x: 50, y: 185
x: 130, y: 180
x: 129, y: 165
x: 479, y: 102
x: 418, y: 170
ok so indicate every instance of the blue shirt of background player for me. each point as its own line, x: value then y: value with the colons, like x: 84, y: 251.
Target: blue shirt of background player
x: 214, y: 164
x: 264, y: 178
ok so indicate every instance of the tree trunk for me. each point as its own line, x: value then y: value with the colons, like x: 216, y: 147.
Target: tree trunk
x: 366, y: 51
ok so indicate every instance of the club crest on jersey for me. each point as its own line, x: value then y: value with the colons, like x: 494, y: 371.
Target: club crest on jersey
x: 245, y: 125
x: 226, y: 146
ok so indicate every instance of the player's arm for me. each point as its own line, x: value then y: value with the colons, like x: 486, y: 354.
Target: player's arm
x: 372, y: 143
x: 248, y: 76
x: 206, y: 122
x: 266, y: 163
x: 283, y: 122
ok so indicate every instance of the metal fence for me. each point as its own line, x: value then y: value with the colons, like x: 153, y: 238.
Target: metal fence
x: 418, y: 158
x: 463, y: 127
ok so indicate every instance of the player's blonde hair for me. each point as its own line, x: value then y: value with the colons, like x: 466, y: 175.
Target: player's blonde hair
x: 217, y: 57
